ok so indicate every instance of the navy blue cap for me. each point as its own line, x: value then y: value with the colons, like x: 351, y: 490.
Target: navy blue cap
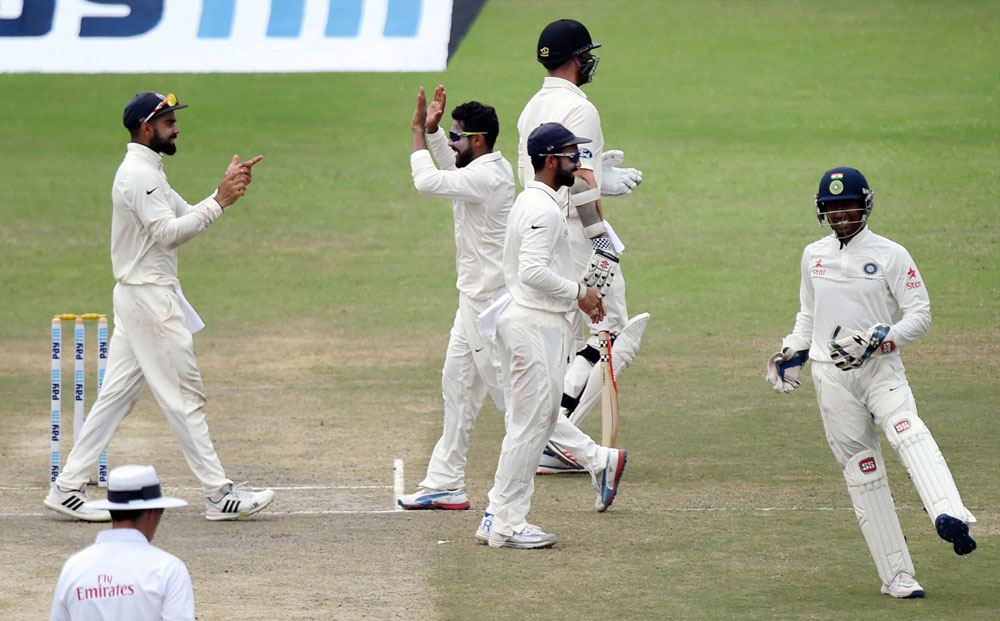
x: 142, y: 105
x: 551, y: 138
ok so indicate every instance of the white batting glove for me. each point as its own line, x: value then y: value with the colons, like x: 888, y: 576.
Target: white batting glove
x: 617, y: 181
x: 603, y: 267
x: 783, y: 369
x: 852, y: 348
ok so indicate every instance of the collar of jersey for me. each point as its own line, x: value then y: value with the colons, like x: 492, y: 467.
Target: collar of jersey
x: 538, y: 185
x: 145, y: 153
x: 551, y: 82
x: 485, y: 158
x: 121, y: 534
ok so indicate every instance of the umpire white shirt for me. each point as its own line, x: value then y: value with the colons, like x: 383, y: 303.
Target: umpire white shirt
x: 482, y: 193
x: 150, y: 220
x: 561, y: 101
x: 537, y: 260
x: 869, y: 281
x: 123, y: 576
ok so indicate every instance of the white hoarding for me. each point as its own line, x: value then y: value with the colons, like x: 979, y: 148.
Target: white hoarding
x: 183, y: 36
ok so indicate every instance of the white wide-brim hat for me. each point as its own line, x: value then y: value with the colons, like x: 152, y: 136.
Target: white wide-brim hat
x: 132, y: 488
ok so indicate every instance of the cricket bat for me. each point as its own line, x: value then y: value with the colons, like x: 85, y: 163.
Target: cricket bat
x: 609, y: 391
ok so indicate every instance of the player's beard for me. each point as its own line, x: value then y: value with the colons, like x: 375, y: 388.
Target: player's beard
x: 565, y: 176
x: 162, y: 144
x: 463, y: 157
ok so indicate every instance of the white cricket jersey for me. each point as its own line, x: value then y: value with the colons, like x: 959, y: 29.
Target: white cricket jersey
x: 123, y: 576
x: 537, y: 260
x: 149, y: 220
x: 561, y: 101
x: 482, y: 194
x: 870, y: 281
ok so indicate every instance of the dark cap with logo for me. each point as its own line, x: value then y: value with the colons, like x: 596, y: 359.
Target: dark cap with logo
x: 561, y: 39
x: 550, y: 138
x: 142, y: 105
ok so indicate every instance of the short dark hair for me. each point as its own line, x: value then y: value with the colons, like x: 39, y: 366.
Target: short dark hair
x: 538, y: 161
x: 476, y: 117
x: 126, y: 515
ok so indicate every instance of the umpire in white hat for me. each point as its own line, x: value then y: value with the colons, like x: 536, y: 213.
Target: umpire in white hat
x: 123, y: 576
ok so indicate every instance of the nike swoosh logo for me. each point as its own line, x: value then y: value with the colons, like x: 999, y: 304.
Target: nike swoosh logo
x: 896, y: 388
x: 148, y: 192
x: 537, y: 227
x: 479, y: 350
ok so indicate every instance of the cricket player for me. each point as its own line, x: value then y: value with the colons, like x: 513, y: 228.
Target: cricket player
x: 122, y: 575
x: 480, y: 183
x: 534, y: 335
x: 565, y: 49
x: 152, y: 339
x: 862, y: 299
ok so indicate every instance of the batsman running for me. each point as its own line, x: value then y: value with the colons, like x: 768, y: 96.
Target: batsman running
x: 480, y: 184
x: 862, y: 299
x: 565, y: 49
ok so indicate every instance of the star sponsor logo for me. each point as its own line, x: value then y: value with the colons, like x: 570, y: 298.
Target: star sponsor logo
x: 867, y: 465
x: 817, y: 268
x: 902, y: 425
x: 911, y: 273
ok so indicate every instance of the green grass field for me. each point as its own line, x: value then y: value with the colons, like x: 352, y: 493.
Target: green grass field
x: 732, y: 505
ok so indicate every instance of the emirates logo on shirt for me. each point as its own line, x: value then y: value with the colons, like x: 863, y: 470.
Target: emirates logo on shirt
x: 867, y: 465
x: 105, y: 588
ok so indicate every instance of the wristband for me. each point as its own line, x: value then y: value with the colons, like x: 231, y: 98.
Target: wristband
x: 581, y: 291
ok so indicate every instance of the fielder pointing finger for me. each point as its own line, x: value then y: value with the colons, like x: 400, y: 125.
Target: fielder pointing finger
x: 152, y: 341
x: 862, y: 298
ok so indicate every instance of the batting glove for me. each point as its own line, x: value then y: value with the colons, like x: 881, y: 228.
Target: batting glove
x: 852, y: 349
x: 783, y: 369
x: 617, y: 181
x: 603, y: 267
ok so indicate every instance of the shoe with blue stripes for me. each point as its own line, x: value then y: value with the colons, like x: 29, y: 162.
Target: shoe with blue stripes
x: 485, y: 528
x: 955, y: 532
x: 607, y: 487
x: 425, y: 498
x: 903, y: 586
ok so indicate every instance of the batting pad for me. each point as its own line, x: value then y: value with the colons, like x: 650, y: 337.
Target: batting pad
x: 876, y: 513
x: 920, y: 454
x: 623, y: 352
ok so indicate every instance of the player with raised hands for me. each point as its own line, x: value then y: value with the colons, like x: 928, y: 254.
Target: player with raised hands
x: 862, y: 298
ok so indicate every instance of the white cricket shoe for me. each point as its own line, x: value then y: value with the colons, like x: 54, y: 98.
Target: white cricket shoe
x: 557, y: 461
x: 485, y: 528
x: 70, y: 502
x: 426, y: 498
x: 903, y: 586
x: 530, y: 538
x: 233, y: 503
x: 607, y: 486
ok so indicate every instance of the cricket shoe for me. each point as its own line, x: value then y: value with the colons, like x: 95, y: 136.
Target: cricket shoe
x: 70, y: 502
x: 233, y: 503
x: 426, y: 498
x: 557, y: 461
x: 607, y: 489
x: 903, y: 586
x: 485, y: 528
x: 530, y: 538
x: 956, y: 532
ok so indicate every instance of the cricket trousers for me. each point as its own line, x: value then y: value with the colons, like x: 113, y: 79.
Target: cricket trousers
x: 854, y: 404
x: 534, y: 348
x: 471, y: 370
x: 150, y: 344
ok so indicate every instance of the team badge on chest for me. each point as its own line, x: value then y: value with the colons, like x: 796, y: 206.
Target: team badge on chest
x: 870, y: 269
